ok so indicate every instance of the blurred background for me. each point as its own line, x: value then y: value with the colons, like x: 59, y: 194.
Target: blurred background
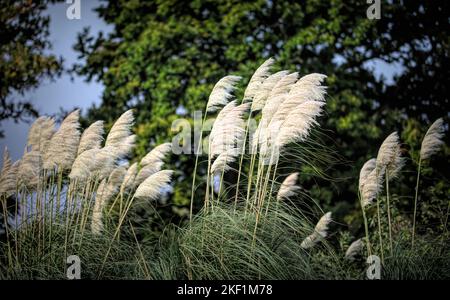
x: 163, y: 58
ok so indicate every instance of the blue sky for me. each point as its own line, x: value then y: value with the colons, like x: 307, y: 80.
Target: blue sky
x: 64, y: 93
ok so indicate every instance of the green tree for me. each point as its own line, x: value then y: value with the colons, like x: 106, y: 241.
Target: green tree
x: 24, y: 58
x: 168, y: 54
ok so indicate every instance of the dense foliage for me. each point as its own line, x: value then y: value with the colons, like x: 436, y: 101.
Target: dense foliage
x: 24, y: 56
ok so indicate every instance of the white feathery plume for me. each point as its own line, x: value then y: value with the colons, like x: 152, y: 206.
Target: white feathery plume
x: 310, y: 241
x: 369, y: 182
x: 432, y: 141
x: 40, y: 133
x: 63, y: 145
x: 389, y: 156
x: 106, y: 190
x: 129, y: 178
x: 121, y: 129
x: 92, y: 137
x: 30, y: 168
x: 97, y: 212
x: 257, y: 79
x: 8, y: 175
x: 387, y: 150
x: 222, y: 93
x: 105, y: 161
x: 9, y: 180
x: 312, y: 79
x: 366, y: 169
x: 157, y: 154
x: 228, y: 129
x: 275, y: 98
x: 270, y: 108
x: 354, y: 249
x: 223, y: 161
x: 284, y: 85
x: 371, y: 188
x: 114, y: 180
x: 84, y: 165
x: 264, y: 90
x: 399, y: 162
x: 126, y: 147
x: 322, y: 225
x: 298, y: 123
x: 289, y: 187
x: 93, y: 162
x: 152, y: 187
x: 147, y: 171
x: 7, y: 162
x: 284, y: 103
x: 320, y: 232
x: 298, y: 94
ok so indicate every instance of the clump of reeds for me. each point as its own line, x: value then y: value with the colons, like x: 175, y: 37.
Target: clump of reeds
x: 431, y: 143
x: 71, y: 185
x: 384, y: 168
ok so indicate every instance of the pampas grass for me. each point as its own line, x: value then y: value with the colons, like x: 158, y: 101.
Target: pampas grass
x: 265, y: 89
x: 228, y: 129
x: 63, y: 146
x: 388, y: 154
x: 288, y: 187
x: 40, y: 133
x: 223, y: 161
x: 257, y: 79
x: 431, y: 144
x: 152, y: 187
x: 29, y: 169
x: 389, y: 163
x: 320, y: 232
x: 92, y: 137
x: 298, y: 123
x: 147, y: 171
x: 369, y: 186
x: 222, y: 93
x: 369, y: 183
x: 80, y: 197
x: 354, y: 249
x: 8, y: 175
x: 129, y: 178
x: 284, y: 85
x: 106, y: 190
x: 72, y: 184
x: 120, y: 130
x: 157, y: 154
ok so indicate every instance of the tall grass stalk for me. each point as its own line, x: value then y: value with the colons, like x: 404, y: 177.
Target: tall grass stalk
x: 241, y: 160
x: 388, y: 209
x: 415, y: 202
x: 380, y: 236
x: 194, y: 176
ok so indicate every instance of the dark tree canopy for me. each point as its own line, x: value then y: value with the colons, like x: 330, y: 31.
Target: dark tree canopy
x: 167, y: 54
x: 24, y: 57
